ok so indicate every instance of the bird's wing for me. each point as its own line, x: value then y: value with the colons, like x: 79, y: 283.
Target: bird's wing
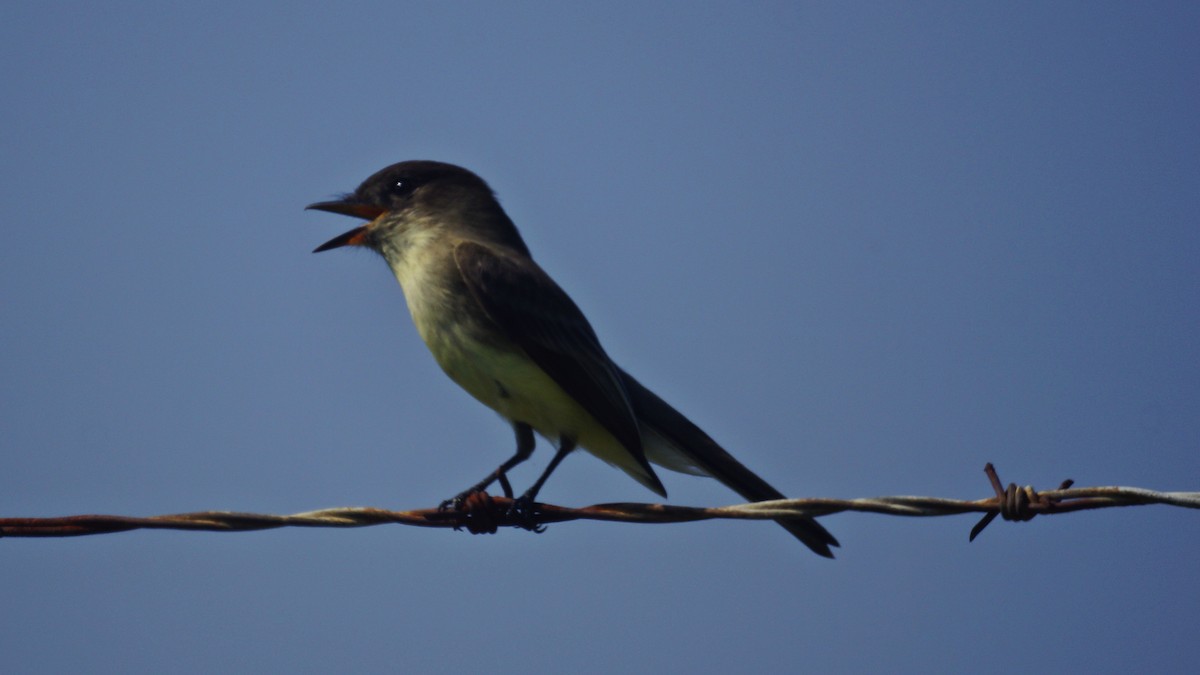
x: 543, y: 320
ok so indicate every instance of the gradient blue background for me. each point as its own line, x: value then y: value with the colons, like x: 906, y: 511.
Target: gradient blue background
x: 869, y: 247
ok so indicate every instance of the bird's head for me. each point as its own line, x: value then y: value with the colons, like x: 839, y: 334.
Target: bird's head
x: 417, y: 195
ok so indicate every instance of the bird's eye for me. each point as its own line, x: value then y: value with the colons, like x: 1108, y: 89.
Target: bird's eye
x: 403, y: 187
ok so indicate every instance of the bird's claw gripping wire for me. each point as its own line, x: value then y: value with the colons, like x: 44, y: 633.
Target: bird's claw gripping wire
x: 480, y: 514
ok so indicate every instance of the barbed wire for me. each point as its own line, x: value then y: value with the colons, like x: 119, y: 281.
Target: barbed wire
x: 483, y: 513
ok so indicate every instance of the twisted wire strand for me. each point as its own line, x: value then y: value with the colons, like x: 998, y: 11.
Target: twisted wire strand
x: 485, y: 513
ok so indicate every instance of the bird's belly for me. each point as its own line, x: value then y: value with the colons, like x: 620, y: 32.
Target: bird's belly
x: 509, y: 382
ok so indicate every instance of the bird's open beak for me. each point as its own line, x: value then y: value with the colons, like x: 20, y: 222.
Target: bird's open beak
x: 355, y: 237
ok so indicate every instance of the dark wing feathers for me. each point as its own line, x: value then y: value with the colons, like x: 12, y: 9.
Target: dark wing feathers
x: 543, y: 320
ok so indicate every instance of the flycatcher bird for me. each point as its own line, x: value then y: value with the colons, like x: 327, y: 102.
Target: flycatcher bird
x: 501, y: 328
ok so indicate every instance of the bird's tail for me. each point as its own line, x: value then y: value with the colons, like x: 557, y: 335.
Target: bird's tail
x: 695, y: 452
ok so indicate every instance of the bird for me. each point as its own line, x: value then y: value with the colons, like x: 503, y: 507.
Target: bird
x: 503, y: 330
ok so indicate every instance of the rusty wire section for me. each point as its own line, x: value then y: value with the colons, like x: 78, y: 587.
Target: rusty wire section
x: 484, y: 513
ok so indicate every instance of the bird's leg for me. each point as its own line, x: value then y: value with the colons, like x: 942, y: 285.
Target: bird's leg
x: 525, y: 445
x: 522, y: 508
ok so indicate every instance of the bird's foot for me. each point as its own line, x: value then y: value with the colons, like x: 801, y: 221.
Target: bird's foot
x: 523, y: 513
x: 477, y: 512
x: 458, y: 501
x: 481, y: 515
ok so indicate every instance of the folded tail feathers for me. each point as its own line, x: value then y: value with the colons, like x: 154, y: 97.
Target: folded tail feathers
x: 678, y: 444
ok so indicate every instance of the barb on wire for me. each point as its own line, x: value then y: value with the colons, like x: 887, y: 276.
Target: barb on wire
x: 483, y: 513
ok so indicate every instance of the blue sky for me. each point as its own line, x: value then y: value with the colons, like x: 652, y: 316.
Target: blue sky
x: 868, y: 247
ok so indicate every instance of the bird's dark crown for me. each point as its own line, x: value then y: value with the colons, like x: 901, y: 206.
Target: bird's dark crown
x: 398, y: 181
